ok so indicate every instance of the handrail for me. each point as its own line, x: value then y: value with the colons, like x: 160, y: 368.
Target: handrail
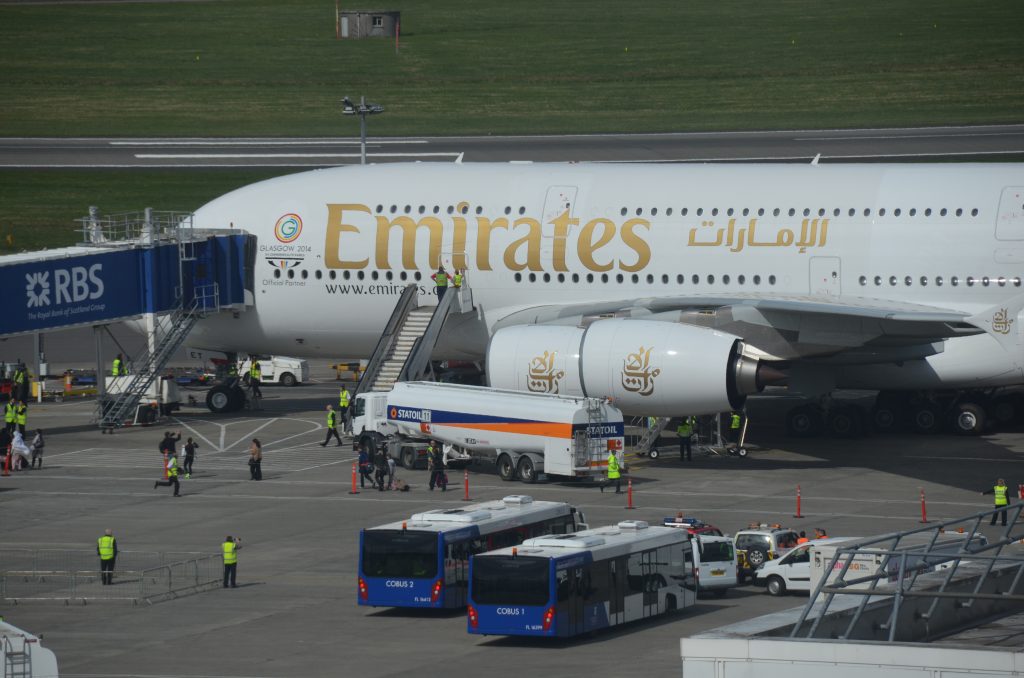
x: 419, y: 357
x: 406, y: 302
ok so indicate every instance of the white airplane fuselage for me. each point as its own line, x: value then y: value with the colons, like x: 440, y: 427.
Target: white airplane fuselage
x: 337, y: 246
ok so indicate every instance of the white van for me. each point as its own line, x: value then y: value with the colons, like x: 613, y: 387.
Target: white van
x: 792, y: 572
x: 278, y: 369
x: 714, y: 563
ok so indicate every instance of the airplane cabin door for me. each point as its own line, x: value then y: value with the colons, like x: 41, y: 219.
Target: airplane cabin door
x: 826, y: 275
x: 1010, y: 222
x: 557, y: 201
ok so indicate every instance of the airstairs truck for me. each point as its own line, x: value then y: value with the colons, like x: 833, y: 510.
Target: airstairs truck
x: 524, y: 434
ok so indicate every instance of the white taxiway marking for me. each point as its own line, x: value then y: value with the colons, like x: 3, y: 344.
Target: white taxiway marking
x: 221, y: 447
x: 259, y: 142
x: 778, y: 158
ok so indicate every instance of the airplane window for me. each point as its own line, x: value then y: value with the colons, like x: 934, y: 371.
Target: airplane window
x: 403, y: 275
x: 896, y: 212
x: 408, y: 208
x: 393, y: 208
x: 1016, y: 282
x: 700, y: 211
x: 380, y: 208
x: 821, y: 212
x: 305, y: 274
x: 362, y: 275
x: 954, y: 281
x: 892, y: 280
x: 590, y: 277
x: 332, y: 275
x: 913, y: 211
x: 714, y: 211
x: 1002, y: 281
x: 938, y: 281
x: 618, y: 278
x: 970, y: 281
x: 985, y: 281
x: 668, y: 212
x: 942, y: 212
x: 575, y: 277
x: 711, y: 280
x: 771, y: 280
x: 654, y: 211
x: 807, y: 212
x: 664, y: 279
x: 792, y: 211
x: 757, y: 280
x: 291, y: 274
x: 561, y: 277
x: 417, y: 276
x: 346, y: 274
x: 680, y: 279
x: 908, y: 281
x: 422, y: 209
x: 695, y: 279
x: 389, y: 275
x: 729, y: 211
x: 508, y: 210
x: 319, y: 275
x: 374, y: 275
x: 867, y: 212
x: 437, y: 208
x: 624, y: 211
x: 760, y: 211
x: 684, y: 211
x: 775, y: 212
x: 746, y: 211
x: 928, y: 212
x: 878, y: 280
x: 451, y: 209
x: 522, y: 210
x: 974, y: 212
x: 835, y: 212
x: 742, y: 279
x: 863, y: 280
x: 924, y: 281
x: 465, y: 209
x: 479, y: 209
x: 639, y: 211
x: 604, y: 277
x: 881, y: 212
x: 277, y: 273
x: 519, y: 277
x: 547, y: 277
x: 852, y: 211
x: 959, y: 212
x: 725, y: 280
x: 533, y: 277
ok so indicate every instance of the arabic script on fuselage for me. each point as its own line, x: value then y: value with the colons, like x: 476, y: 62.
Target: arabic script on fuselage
x: 542, y: 376
x: 637, y: 374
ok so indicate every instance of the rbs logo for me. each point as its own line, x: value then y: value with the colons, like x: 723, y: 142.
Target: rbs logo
x: 68, y: 286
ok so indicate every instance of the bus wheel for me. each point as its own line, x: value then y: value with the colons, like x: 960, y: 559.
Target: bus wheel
x: 408, y: 457
x: 506, y: 469
x: 527, y: 473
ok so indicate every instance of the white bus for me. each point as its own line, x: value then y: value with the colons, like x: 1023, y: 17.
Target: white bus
x: 565, y: 585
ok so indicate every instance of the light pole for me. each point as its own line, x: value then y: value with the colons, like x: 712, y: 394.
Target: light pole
x: 363, y: 109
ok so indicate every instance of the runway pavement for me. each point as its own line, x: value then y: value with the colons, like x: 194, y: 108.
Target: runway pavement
x: 295, y: 612
x: 993, y: 142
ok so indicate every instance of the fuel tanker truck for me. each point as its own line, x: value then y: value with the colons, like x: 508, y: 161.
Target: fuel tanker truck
x: 524, y: 434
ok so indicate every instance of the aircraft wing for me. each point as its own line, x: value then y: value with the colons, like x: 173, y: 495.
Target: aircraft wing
x: 786, y: 328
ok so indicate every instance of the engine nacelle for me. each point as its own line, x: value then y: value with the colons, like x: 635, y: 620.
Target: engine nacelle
x: 646, y: 367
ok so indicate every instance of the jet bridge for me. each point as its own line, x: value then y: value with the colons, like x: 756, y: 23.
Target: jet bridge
x: 150, y: 265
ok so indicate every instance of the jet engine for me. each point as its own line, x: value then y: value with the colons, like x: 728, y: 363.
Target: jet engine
x: 646, y: 367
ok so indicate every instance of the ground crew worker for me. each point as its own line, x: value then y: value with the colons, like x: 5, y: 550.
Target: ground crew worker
x: 10, y: 415
x: 172, y: 476
x: 435, y: 459
x: 118, y: 366
x: 1001, y: 500
x: 230, y: 549
x: 440, y: 279
x: 457, y: 278
x: 614, y: 472
x: 255, y: 377
x: 685, y: 433
x: 734, y: 428
x: 803, y: 538
x: 190, y: 456
x: 332, y: 427
x: 21, y: 416
x: 21, y: 382
x: 343, y: 401
x: 106, y: 549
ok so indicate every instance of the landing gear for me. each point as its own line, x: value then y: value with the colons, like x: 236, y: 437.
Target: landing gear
x: 846, y: 421
x: 225, y: 398
x: 926, y: 418
x: 889, y: 411
x: 968, y: 419
x: 804, y: 421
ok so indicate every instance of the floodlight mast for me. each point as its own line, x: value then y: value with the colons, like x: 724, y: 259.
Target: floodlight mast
x: 363, y: 109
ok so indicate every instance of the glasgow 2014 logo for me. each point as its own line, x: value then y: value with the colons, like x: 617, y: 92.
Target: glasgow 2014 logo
x: 288, y: 228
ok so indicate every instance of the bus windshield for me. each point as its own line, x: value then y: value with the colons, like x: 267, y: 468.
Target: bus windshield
x: 399, y: 553
x: 507, y: 580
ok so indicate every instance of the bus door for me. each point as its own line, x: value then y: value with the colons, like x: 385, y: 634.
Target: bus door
x: 617, y: 599
x: 643, y: 589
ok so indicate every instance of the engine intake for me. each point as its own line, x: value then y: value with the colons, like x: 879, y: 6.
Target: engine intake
x: 646, y: 367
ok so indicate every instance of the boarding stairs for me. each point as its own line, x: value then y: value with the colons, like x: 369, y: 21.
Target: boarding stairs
x: 651, y: 432
x: 17, y: 652
x: 404, y: 349
x: 172, y: 330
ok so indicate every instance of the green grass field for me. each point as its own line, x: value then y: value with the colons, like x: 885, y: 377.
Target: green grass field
x: 268, y: 67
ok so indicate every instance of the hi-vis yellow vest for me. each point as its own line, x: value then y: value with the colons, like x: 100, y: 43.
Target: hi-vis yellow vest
x: 230, y: 557
x: 106, y: 547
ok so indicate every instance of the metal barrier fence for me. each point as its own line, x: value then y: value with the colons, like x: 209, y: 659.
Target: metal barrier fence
x: 74, y: 576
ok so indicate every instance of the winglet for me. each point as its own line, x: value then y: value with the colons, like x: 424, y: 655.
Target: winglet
x: 1002, y: 321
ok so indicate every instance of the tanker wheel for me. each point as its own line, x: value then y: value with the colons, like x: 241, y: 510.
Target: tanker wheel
x: 527, y: 473
x: 409, y: 457
x: 506, y: 469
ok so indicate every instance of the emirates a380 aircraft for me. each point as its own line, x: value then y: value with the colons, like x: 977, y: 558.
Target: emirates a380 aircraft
x: 674, y: 289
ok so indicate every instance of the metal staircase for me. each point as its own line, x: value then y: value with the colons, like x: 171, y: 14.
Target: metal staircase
x: 651, y: 435
x: 114, y: 410
x: 17, y: 657
x: 404, y: 349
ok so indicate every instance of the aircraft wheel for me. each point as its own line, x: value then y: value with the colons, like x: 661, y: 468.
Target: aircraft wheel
x: 925, y: 418
x: 220, y: 399
x: 506, y: 469
x: 527, y: 473
x: 804, y: 421
x: 846, y: 421
x: 1005, y: 409
x: 968, y: 419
